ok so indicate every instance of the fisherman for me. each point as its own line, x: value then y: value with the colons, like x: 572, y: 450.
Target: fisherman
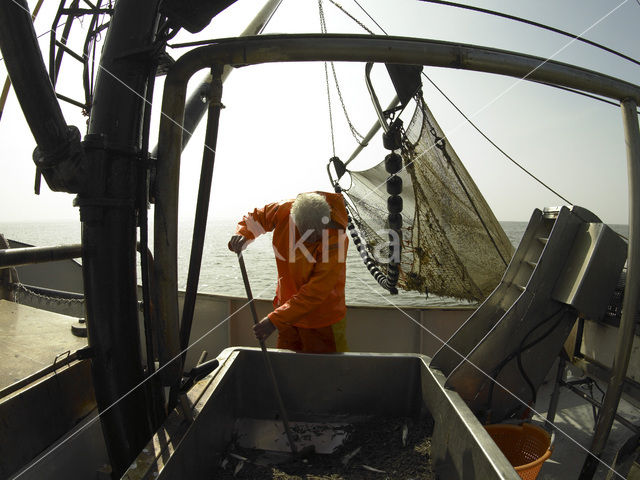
x: 310, y: 246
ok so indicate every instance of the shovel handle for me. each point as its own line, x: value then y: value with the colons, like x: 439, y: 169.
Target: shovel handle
x: 247, y: 287
x: 267, y: 359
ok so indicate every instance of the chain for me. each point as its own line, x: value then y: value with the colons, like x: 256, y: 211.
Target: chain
x: 356, y: 135
x: 22, y: 288
x: 364, y: 27
x: 323, y: 29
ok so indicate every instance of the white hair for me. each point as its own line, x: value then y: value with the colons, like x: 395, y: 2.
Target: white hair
x: 310, y: 211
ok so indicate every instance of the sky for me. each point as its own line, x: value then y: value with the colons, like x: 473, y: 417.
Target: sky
x: 275, y: 136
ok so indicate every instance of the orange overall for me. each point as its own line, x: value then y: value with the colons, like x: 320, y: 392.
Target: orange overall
x: 309, y: 306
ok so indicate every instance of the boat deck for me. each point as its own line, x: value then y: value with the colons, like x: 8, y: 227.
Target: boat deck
x: 575, y: 422
x: 32, y: 339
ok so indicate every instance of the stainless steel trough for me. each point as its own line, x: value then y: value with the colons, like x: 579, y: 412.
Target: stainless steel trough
x: 328, y: 387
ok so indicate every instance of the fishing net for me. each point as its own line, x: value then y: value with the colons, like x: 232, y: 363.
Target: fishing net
x: 450, y: 243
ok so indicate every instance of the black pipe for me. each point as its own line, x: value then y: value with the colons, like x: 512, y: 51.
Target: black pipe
x: 16, y: 257
x: 202, y: 210
x: 25, y: 65
x: 108, y: 214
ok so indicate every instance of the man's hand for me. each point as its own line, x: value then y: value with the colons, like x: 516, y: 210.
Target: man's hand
x: 263, y: 329
x: 237, y: 243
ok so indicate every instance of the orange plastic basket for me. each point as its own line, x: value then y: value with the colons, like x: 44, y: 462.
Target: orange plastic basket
x: 526, y: 446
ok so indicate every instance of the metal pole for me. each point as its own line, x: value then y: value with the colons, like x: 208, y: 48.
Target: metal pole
x: 555, y: 395
x: 200, y: 222
x: 408, y: 51
x: 15, y: 257
x: 631, y: 294
x: 374, y: 97
x: 4, y: 94
x: 374, y: 129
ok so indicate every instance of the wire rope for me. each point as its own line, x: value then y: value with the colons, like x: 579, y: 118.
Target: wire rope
x: 535, y: 24
x: 473, y: 124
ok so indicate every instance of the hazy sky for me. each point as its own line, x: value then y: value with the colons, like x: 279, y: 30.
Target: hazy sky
x: 275, y: 138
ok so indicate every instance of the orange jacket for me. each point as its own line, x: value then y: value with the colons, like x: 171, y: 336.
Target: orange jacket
x: 311, y: 276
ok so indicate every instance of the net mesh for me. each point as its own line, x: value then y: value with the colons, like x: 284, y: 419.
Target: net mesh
x: 452, y: 244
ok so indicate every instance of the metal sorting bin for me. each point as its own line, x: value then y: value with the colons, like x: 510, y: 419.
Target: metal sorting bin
x: 190, y: 443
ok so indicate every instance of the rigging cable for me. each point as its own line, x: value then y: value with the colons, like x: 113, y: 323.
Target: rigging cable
x: 473, y: 124
x: 494, y: 144
x: 372, y: 19
x: 535, y: 24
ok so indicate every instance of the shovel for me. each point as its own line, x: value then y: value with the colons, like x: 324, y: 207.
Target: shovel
x: 267, y: 360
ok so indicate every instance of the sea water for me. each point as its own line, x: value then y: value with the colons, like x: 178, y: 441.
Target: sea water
x: 220, y: 273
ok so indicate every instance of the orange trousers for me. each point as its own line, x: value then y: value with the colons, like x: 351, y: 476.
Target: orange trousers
x: 331, y: 339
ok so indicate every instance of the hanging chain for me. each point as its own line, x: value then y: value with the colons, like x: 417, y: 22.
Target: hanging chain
x: 356, y: 135
x: 326, y: 76
x: 323, y: 29
x: 362, y: 25
x: 21, y: 291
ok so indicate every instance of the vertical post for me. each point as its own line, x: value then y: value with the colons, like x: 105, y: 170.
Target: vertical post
x: 108, y: 215
x: 202, y: 211
x: 555, y: 395
x: 631, y: 294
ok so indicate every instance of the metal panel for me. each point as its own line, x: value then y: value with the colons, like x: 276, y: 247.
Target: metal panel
x: 39, y: 415
x: 591, y: 271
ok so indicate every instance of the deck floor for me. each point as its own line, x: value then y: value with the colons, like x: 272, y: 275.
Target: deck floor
x: 31, y: 339
x: 575, y: 423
